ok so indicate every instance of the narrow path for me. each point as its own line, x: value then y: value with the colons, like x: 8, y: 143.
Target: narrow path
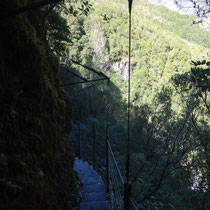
x: 93, y: 188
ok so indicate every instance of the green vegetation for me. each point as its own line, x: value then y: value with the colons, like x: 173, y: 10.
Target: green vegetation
x: 182, y: 26
x: 36, y: 156
x: 169, y: 123
x: 170, y: 161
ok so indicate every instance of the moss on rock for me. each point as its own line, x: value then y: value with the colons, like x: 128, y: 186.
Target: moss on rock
x: 35, y: 123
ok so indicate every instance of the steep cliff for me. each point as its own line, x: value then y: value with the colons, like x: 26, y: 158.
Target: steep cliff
x: 36, y: 155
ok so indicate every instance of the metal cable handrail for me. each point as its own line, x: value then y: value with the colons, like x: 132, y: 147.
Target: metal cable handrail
x: 118, y: 191
x: 110, y: 149
x: 115, y: 175
x: 133, y: 203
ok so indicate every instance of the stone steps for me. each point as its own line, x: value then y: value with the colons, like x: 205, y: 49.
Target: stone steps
x: 93, y: 189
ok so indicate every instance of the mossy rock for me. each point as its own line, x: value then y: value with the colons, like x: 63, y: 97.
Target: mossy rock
x: 35, y: 122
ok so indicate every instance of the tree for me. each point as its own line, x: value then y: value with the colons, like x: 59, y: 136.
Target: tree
x: 199, y: 7
x: 194, y: 88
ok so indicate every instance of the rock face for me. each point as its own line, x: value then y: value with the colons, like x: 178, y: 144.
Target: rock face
x: 101, y: 57
x: 36, y: 156
x: 99, y: 43
x: 121, y: 67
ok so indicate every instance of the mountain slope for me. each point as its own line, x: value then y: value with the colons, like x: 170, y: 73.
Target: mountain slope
x: 164, y: 121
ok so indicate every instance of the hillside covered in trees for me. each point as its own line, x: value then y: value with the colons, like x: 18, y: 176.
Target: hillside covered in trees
x: 169, y: 97
x: 46, y: 49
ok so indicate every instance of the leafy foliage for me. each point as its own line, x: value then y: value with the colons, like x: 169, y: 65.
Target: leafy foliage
x: 169, y: 115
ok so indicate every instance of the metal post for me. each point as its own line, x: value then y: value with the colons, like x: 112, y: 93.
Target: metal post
x: 94, y: 144
x: 127, y: 193
x: 79, y: 138
x: 127, y: 186
x: 107, y: 155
